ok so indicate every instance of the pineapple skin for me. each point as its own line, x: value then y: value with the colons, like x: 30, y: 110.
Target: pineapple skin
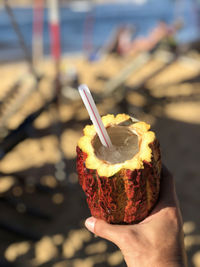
x: 128, y: 196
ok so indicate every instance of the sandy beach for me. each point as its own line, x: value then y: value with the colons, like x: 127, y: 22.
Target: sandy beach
x: 168, y: 100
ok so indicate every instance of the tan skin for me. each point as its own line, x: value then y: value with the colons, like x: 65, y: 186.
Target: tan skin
x: 157, y: 241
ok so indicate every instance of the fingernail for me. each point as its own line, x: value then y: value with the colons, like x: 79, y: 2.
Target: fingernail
x: 90, y: 223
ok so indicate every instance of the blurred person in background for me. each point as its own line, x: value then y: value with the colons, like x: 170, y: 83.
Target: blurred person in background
x: 162, y: 33
x: 123, y: 43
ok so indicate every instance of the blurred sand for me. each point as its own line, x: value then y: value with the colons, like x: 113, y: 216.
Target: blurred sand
x: 170, y: 102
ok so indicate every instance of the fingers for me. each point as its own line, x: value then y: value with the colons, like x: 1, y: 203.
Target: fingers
x: 103, y: 229
x: 168, y: 193
x: 167, y: 189
x: 167, y: 196
x: 167, y: 184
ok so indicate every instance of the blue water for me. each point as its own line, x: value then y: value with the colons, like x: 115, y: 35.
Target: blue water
x: 105, y: 19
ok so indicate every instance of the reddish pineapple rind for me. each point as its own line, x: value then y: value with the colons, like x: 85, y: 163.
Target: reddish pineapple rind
x: 125, y: 197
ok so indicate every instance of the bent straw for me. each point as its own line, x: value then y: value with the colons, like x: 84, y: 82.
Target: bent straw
x: 94, y: 115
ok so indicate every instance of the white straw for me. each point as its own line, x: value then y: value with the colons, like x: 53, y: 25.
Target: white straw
x: 94, y: 115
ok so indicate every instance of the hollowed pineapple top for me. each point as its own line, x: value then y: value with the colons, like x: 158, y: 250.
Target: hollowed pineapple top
x: 130, y: 140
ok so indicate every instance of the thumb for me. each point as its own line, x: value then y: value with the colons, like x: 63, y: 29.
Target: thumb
x: 103, y: 229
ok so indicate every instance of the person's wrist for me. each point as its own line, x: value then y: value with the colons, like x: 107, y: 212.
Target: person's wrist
x: 155, y: 259
x: 149, y: 263
x: 178, y: 260
x: 169, y: 264
x: 155, y: 263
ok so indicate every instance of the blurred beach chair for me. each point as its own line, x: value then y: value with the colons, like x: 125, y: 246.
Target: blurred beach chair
x: 137, y: 64
x: 144, y: 50
x: 118, y: 43
x: 123, y: 43
x: 15, y: 97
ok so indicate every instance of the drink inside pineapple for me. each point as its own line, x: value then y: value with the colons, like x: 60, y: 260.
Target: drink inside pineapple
x: 125, y: 145
x: 122, y: 182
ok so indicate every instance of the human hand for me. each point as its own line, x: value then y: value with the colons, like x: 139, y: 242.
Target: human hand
x: 157, y: 240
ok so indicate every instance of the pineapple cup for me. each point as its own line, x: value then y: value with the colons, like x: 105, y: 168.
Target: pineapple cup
x: 121, y: 183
